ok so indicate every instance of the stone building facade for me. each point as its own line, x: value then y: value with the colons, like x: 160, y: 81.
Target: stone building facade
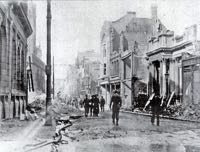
x: 165, y: 57
x: 124, y: 44
x: 14, y: 30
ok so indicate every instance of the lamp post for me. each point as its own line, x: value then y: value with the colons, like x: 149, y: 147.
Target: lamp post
x: 53, y: 79
x: 48, y: 66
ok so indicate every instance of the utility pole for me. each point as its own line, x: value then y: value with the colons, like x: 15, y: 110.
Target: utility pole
x: 48, y: 66
x: 53, y: 79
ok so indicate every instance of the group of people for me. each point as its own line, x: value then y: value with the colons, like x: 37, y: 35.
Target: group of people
x: 92, y: 105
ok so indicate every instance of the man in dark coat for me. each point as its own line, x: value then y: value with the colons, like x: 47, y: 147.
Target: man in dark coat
x: 95, y: 106
x: 155, y: 105
x: 102, y: 103
x: 116, y: 103
x: 91, y: 107
x: 86, y: 105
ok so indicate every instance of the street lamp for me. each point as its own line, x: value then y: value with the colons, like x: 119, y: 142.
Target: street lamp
x: 48, y: 66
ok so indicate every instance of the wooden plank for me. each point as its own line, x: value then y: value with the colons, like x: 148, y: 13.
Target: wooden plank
x: 149, y: 100
x: 169, y: 101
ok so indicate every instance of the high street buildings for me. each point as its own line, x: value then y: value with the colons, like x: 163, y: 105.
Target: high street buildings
x: 123, y: 41
x: 142, y: 55
x: 89, y: 67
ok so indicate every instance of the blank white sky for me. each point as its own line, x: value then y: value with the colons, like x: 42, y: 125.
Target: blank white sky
x: 76, y: 25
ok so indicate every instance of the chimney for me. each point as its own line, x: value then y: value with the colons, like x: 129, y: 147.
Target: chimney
x: 132, y: 13
x: 154, y: 11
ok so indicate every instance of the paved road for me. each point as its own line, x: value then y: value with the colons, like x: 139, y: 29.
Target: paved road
x: 134, y: 134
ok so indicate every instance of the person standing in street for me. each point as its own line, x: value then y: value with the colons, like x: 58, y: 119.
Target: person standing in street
x: 91, y: 102
x: 86, y: 105
x: 95, y: 106
x: 155, y: 106
x: 115, y: 103
x: 102, y: 103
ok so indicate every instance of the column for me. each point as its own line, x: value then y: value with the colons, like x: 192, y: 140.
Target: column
x: 10, y: 69
x: 106, y: 93
x: 173, y: 75
x: 170, y: 81
x: 181, y: 83
x: 150, y: 79
x: 122, y: 91
x: 164, y: 78
x: 161, y: 77
x: 176, y: 76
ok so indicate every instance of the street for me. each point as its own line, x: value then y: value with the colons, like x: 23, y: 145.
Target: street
x: 134, y: 133
x: 60, y: 60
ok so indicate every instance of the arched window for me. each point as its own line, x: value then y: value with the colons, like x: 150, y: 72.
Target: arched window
x: 14, y: 61
x: 2, y: 51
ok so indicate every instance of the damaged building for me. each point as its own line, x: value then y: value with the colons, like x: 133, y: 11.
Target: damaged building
x: 173, y: 65
x: 124, y: 44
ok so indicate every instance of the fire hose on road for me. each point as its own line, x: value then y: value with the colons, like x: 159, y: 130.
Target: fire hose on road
x: 58, y: 139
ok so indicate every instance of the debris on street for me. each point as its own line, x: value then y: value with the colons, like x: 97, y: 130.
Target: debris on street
x: 189, y: 112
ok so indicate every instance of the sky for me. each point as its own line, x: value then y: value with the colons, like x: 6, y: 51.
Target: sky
x: 76, y: 25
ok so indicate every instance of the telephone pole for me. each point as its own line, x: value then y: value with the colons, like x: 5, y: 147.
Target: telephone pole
x: 48, y: 66
x: 53, y: 79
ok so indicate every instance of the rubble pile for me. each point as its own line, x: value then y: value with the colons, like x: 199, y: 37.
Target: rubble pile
x: 37, y: 101
x: 172, y: 111
x: 186, y: 112
x: 58, y: 109
x: 126, y: 108
x: 35, y: 96
x: 189, y: 112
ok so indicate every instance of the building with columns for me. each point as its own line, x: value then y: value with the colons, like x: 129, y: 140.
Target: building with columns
x: 14, y: 30
x: 124, y: 44
x: 165, y: 61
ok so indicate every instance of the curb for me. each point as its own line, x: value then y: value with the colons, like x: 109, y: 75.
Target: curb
x: 164, y: 117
